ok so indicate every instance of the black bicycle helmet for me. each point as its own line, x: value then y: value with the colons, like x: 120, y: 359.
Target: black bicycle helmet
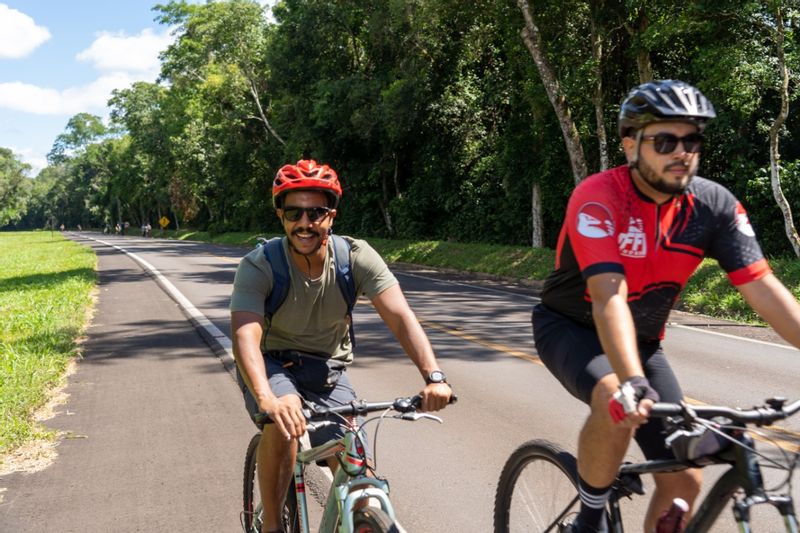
x: 662, y: 100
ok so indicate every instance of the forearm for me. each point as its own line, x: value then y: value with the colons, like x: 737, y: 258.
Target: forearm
x: 247, y: 353
x: 402, y: 322
x: 776, y: 305
x: 617, y: 334
x: 614, y: 323
x: 415, y: 343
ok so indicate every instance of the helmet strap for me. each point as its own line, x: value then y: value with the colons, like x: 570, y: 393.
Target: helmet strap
x: 633, y: 164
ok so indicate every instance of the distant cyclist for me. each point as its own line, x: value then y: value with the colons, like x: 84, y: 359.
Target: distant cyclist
x: 305, y: 347
x: 631, y: 238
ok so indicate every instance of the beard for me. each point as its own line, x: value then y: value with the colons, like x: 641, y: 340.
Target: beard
x: 659, y: 183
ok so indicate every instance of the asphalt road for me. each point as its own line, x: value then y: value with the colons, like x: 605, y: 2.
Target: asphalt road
x: 156, y: 430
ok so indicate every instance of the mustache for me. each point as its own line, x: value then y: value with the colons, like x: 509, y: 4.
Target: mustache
x: 678, y: 164
x: 305, y: 230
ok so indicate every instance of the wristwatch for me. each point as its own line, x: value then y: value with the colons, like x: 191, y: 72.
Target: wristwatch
x: 437, y: 376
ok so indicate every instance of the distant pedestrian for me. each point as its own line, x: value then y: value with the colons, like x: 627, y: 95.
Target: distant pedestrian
x: 61, y: 227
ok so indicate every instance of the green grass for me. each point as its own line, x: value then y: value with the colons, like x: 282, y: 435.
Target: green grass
x: 45, y: 291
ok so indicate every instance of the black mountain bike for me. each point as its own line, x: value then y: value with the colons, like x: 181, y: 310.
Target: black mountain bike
x: 538, y: 486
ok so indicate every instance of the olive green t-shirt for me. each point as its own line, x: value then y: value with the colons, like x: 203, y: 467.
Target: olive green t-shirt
x: 313, y: 318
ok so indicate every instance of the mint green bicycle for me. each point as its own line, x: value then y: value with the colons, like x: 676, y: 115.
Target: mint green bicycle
x: 346, y: 509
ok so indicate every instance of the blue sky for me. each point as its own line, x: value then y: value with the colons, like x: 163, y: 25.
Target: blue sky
x: 62, y: 57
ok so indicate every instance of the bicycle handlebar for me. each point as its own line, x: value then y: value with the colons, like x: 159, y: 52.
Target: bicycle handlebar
x: 361, y: 407
x: 773, y: 411
x: 358, y: 407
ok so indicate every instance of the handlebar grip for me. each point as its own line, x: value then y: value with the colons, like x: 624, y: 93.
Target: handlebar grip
x: 662, y: 410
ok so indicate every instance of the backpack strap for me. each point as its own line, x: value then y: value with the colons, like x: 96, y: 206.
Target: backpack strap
x: 344, y: 278
x: 276, y: 257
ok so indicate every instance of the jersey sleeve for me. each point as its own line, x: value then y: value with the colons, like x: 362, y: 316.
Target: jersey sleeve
x: 592, y: 225
x: 252, y: 283
x: 371, y: 274
x: 735, y: 246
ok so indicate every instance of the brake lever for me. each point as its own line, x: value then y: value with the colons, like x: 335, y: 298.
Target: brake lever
x: 414, y: 416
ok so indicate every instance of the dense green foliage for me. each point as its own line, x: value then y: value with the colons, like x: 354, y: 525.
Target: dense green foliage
x: 45, y: 285
x: 432, y: 111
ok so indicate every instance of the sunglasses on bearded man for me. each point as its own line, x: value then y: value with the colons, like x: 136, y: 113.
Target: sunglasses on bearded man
x: 665, y: 143
x: 293, y: 214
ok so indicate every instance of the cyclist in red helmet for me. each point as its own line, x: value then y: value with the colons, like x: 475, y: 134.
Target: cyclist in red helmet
x: 631, y: 238
x: 305, y: 346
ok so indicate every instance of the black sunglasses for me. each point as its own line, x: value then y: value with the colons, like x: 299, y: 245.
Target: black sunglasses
x: 665, y: 143
x: 293, y: 214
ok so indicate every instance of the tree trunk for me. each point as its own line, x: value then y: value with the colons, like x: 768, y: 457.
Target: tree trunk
x: 261, y: 116
x: 598, y: 99
x: 533, y: 40
x: 642, y: 54
x: 384, y: 204
x: 774, y: 134
x: 537, y: 238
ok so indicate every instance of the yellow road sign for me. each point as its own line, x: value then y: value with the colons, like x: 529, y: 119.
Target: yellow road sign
x: 164, y: 221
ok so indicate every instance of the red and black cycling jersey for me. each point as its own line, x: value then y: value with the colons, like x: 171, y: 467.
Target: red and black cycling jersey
x: 610, y: 226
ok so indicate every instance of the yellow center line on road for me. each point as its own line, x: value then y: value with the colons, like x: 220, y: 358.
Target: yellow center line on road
x: 228, y: 259
x: 493, y: 345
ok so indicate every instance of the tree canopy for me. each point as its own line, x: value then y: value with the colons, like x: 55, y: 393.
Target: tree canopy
x: 444, y: 119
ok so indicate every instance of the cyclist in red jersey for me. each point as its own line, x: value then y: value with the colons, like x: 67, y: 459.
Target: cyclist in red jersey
x: 631, y: 238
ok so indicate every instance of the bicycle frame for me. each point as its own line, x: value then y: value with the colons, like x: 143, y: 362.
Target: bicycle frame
x: 343, y: 494
x: 744, y: 473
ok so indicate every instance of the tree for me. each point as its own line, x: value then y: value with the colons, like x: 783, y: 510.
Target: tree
x: 232, y: 33
x: 775, y: 129
x: 82, y: 129
x: 533, y: 40
x: 15, y: 187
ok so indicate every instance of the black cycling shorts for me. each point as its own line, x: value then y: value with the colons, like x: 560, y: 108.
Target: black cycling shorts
x: 573, y: 354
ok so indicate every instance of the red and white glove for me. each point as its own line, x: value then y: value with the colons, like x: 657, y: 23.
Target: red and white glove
x: 626, y: 400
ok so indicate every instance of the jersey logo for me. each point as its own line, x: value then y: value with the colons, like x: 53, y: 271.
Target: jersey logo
x: 742, y: 222
x: 633, y: 242
x: 594, y: 221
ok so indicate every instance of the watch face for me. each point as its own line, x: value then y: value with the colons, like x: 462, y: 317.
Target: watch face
x: 437, y: 376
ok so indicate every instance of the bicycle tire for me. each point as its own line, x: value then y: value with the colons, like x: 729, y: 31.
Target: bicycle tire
x: 373, y: 520
x: 251, y: 513
x: 538, y: 488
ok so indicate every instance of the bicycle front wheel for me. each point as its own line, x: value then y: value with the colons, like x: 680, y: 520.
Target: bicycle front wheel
x: 252, y: 512
x: 538, y: 488
x: 373, y: 520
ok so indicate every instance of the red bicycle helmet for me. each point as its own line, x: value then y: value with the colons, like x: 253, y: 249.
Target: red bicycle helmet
x: 306, y: 175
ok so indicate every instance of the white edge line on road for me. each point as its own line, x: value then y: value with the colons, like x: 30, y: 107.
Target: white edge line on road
x: 728, y: 335
x: 220, y: 343
x: 195, y: 316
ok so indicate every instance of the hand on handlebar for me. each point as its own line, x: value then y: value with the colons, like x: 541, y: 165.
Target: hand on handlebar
x: 435, y: 396
x: 286, y: 413
x: 631, y: 404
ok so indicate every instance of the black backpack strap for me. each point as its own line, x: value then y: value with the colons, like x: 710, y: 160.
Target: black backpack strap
x: 276, y: 257
x: 344, y: 277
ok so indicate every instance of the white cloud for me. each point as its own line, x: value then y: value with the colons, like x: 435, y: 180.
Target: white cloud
x: 120, y: 52
x: 45, y: 101
x: 19, y: 34
x: 36, y: 160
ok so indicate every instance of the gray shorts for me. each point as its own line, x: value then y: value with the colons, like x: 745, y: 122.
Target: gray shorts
x: 308, y: 377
